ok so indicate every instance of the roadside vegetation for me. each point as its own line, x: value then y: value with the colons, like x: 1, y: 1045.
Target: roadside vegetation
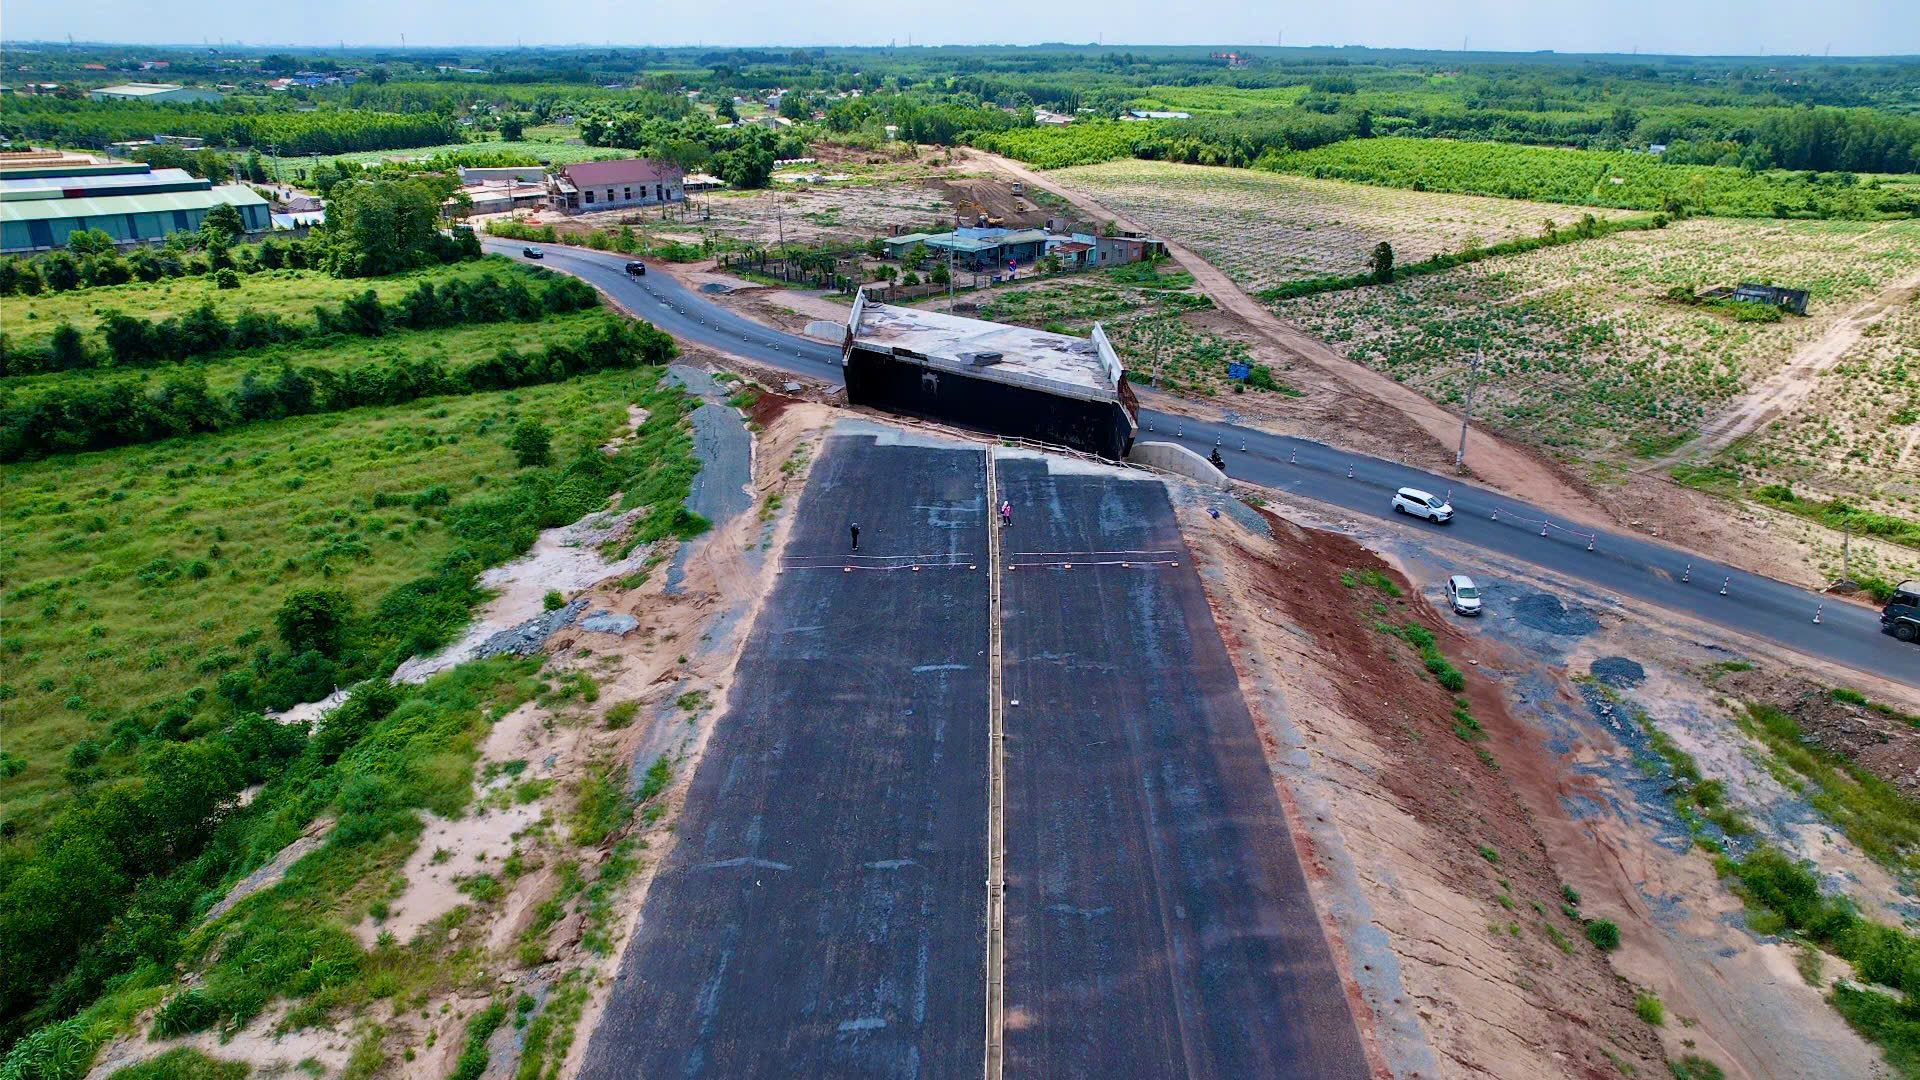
x: 170, y: 726
x: 1787, y: 896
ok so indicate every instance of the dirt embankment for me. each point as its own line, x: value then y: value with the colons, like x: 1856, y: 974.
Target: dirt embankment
x: 1406, y: 830
x: 1886, y: 746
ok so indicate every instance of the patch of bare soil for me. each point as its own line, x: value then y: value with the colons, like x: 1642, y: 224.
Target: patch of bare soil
x: 1405, y: 831
x: 992, y: 197
x: 1886, y: 746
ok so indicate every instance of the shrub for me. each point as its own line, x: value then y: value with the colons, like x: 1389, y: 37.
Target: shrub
x: 532, y: 444
x: 553, y: 601
x: 314, y: 619
x: 1604, y: 934
x: 1695, y: 1067
x: 227, y: 279
x: 1648, y: 1007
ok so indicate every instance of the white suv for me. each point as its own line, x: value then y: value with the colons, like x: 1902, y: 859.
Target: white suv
x: 1421, y: 504
x: 1462, y: 596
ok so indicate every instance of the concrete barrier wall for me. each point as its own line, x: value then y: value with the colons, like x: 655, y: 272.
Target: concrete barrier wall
x: 1175, y: 458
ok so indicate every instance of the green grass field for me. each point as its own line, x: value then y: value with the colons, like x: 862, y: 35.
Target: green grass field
x: 145, y: 571
x: 292, y: 294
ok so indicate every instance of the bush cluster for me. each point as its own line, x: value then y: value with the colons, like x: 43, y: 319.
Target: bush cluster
x: 124, y: 413
x: 203, y: 331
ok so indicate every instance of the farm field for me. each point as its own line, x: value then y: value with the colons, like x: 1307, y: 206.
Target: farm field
x: 292, y: 294
x: 1591, y: 177
x: 1584, y: 353
x: 1855, y: 438
x: 556, y: 151
x: 1264, y: 229
x: 142, y: 572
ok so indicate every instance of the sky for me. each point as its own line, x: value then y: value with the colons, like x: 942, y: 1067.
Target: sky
x: 1699, y: 27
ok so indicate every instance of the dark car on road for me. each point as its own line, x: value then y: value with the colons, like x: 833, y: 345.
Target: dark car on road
x: 1901, y: 616
x: 531, y: 252
x: 637, y: 269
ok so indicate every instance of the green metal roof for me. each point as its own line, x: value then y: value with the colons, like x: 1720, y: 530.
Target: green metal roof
x: 961, y: 243
x: 109, y: 205
x: 36, y: 172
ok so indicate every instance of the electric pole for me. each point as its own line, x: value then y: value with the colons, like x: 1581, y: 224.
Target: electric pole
x: 1473, y: 377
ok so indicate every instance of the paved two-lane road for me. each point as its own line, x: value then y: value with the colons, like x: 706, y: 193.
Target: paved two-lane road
x: 1625, y: 564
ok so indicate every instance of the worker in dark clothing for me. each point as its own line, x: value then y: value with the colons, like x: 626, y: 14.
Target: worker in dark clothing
x: 855, y: 530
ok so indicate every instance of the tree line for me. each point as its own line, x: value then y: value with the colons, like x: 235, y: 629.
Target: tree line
x: 130, y: 341
x: 97, y: 124
x: 127, y: 412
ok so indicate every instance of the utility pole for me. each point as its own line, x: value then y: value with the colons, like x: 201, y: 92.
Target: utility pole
x: 1846, y: 551
x: 1473, y: 377
x: 949, y: 281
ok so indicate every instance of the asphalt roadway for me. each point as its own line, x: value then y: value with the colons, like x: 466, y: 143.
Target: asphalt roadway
x: 823, y: 913
x: 1625, y: 564
x: 1158, y: 923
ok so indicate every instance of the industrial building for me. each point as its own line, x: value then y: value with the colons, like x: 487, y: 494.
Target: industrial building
x: 615, y: 185
x: 1010, y: 380
x: 41, y: 205
x: 161, y: 93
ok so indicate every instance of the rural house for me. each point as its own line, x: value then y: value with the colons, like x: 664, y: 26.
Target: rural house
x: 615, y: 185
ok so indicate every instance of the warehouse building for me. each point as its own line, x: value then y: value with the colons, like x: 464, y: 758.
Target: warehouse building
x: 132, y: 202
x: 159, y: 93
x: 1009, y: 380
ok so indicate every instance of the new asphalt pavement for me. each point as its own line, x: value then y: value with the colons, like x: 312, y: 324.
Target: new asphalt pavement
x: 1158, y: 922
x: 1625, y: 564
x: 823, y: 912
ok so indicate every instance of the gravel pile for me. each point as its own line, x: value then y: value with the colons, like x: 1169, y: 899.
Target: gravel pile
x: 528, y: 637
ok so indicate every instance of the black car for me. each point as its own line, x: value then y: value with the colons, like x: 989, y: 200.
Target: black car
x: 637, y: 269
x: 531, y: 252
x: 1901, y: 616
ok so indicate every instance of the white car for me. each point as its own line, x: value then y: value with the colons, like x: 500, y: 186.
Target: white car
x: 1421, y: 504
x: 1462, y: 595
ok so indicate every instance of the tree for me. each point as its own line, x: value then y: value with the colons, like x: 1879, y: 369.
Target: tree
x: 938, y: 275
x: 222, y: 225
x: 379, y: 227
x: 532, y: 444
x: 256, y: 167
x: 1381, y: 263
x: 379, y: 75
x: 746, y: 168
x: 314, y: 620
x: 89, y: 242
x: 513, y: 128
x: 725, y: 110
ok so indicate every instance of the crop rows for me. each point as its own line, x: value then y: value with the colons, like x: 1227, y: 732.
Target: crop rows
x: 1857, y: 436
x: 1589, y: 177
x: 1264, y: 229
x: 1583, y: 351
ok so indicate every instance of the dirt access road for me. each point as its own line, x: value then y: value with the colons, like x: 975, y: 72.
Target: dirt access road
x: 1790, y: 387
x: 1495, y: 461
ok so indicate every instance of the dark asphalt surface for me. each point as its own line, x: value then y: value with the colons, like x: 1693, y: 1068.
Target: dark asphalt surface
x: 1158, y: 923
x: 1631, y: 566
x: 823, y: 913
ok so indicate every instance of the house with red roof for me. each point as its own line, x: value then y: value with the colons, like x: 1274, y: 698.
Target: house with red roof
x: 615, y: 185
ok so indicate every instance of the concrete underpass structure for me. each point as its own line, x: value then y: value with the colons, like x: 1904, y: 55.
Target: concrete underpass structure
x: 1009, y: 380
